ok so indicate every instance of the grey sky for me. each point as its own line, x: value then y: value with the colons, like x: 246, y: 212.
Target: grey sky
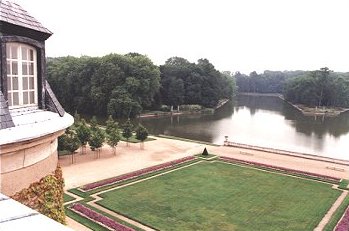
x: 235, y: 35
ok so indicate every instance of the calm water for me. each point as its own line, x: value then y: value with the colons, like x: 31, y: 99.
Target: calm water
x: 262, y: 121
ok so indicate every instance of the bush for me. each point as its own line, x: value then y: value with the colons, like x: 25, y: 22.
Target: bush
x: 165, y: 108
x: 190, y: 107
x: 45, y: 196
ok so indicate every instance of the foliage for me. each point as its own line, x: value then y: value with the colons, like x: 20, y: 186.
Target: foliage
x: 69, y: 141
x: 119, y: 85
x: 313, y: 88
x: 127, y: 130
x: 141, y: 133
x: 83, y: 131
x: 93, y: 123
x: 125, y: 85
x: 97, y: 136
x: 280, y: 201
x: 45, y: 196
x: 267, y: 82
x: 183, y: 82
x: 318, y: 88
x: 112, y: 133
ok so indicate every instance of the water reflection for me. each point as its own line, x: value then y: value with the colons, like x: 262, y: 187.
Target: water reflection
x: 263, y: 121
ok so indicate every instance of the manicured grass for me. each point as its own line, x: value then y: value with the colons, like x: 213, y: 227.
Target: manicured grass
x: 209, y: 156
x: 337, y: 215
x: 134, y: 140
x: 220, y: 196
x: 67, y: 197
x: 187, y: 140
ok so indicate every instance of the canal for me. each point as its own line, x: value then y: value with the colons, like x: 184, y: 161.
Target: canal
x: 262, y: 121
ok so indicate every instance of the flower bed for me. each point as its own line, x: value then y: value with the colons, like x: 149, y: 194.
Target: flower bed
x: 282, y: 169
x: 136, y: 173
x: 343, y: 224
x: 99, y: 218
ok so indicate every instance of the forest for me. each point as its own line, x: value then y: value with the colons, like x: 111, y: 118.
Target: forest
x: 312, y: 88
x: 126, y: 85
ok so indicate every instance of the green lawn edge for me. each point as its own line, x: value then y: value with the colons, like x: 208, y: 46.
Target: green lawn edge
x: 187, y: 140
x: 67, y: 198
x: 337, y: 215
x: 86, y: 195
x: 323, y: 209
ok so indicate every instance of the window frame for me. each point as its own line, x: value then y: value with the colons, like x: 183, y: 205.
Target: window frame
x: 10, y: 59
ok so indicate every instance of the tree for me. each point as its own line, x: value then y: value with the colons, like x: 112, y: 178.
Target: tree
x: 69, y: 141
x: 141, y: 134
x: 83, y: 133
x: 127, y: 130
x: 96, y: 140
x: 112, y: 133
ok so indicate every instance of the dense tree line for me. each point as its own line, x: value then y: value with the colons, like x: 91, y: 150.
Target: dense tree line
x: 118, y: 85
x: 183, y: 82
x: 319, y: 88
x: 124, y: 85
x: 313, y: 88
x: 266, y: 82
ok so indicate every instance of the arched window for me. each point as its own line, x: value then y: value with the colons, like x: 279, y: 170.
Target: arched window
x: 22, y: 89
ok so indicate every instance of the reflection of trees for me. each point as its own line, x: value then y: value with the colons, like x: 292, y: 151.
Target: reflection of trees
x: 318, y: 125
x: 195, y: 126
x: 254, y: 103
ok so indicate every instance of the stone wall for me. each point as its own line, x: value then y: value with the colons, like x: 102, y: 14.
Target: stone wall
x: 25, y: 162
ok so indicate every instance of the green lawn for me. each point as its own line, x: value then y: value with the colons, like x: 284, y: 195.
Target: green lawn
x: 220, y: 196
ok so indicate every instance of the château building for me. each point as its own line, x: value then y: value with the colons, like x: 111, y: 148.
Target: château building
x: 31, y: 118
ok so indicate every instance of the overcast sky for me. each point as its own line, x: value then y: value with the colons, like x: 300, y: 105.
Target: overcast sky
x: 235, y: 35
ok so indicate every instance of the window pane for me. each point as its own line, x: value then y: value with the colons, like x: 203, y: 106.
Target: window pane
x: 14, y: 54
x: 24, y: 68
x: 25, y: 98
x: 15, y: 99
x: 24, y: 53
x: 31, y: 68
x: 14, y: 83
x: 9, y: 96
x: 8, y: 51
x: 25, y: 83
x: 14, y: 68
x: 9, y: 86
x: 32, y: 99
x: 31, y: 83
x: 8, y: 67
x: 31, y: 55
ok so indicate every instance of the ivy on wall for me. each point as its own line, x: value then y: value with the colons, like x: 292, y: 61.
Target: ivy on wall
x: 45, y: 196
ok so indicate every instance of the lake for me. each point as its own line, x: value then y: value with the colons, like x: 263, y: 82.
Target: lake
x: 264, y: 121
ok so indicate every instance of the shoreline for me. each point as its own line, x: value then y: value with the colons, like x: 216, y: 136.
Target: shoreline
x: 305, y: 110
x: 220, y: 104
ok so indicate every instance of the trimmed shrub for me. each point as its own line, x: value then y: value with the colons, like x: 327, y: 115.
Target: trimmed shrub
x: 205, y: 153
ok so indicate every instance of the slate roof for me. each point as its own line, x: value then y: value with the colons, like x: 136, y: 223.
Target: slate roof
x: 5, y: 117
x: 13, y: 13
x: 52, y: 102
